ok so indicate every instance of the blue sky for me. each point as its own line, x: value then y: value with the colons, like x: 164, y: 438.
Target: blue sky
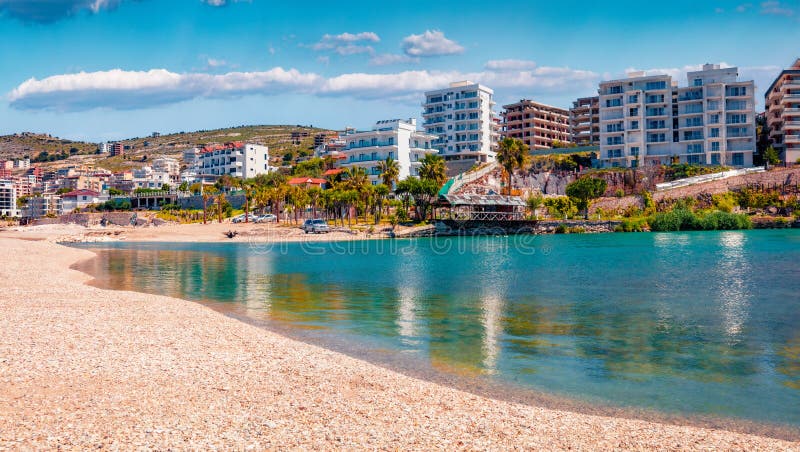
x: 111, y: 69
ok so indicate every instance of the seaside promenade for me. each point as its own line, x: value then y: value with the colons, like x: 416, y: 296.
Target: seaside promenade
x: 82, y: 367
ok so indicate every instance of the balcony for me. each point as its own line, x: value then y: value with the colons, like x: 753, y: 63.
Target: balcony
x: 792, y: 139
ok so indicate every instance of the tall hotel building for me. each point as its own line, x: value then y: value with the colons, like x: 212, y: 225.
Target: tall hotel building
x: 461, y: 117
x: 648, y: 120
x: 537, y: 125
x: 584, y: 121
x: 782, y: 102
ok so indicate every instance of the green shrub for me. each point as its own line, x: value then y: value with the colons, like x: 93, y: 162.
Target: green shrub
x: 561, y: 229
x: 681, y: 219
x: 619, y: 193
x: 724, y: 201
x: 577, y: 230
x: 633, y: 225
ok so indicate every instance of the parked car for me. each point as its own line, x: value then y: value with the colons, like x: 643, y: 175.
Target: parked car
x: 241, y: 218
x: 267, y: 218
x: 317, y: 226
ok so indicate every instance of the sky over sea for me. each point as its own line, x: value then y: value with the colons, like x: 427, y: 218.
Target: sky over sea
x: 112, y: 69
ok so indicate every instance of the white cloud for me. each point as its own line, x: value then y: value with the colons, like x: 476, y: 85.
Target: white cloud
x: 387, y: 59
x: 510, y: 65
x: 430, y: 43
x: 215, y: 63
x: 743, y: 7
x: 118, y: 89
x: 346, y: 43
x: 51, y: 11
x: 335, y: 42
x: 222, y: 2
x: 776, y: 8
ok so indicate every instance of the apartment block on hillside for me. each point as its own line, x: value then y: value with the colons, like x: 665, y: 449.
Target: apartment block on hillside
x: 584, y: 121
x: 537, y: 125
x: 395, y: 138
x: 462, y: 118
x: 648, y: 120
x: 782, y: 102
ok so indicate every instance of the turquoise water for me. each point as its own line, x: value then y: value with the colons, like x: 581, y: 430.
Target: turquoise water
x: 701, y: 323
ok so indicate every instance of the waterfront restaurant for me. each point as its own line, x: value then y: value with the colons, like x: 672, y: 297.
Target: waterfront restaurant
x: 472, y: 207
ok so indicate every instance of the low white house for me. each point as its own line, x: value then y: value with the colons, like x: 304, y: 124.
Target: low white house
x: 78, y: 199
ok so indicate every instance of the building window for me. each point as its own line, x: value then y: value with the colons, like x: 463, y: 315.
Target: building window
x: 715, y: 146
x: 715, y: 159
x: 635, y: 151
x: 656, y: 85
x: 737, y: 159
x: 633, y: 112
x: 714, y: 133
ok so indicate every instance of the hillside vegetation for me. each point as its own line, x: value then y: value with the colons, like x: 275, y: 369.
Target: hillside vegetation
x: 283, y: 146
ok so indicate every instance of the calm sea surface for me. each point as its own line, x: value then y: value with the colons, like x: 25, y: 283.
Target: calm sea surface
x: 704, y: 323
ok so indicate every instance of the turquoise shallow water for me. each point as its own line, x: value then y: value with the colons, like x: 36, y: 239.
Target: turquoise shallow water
x: 704, y: 323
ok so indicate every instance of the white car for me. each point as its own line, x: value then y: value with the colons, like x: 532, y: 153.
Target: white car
x: 267, y: 218
x: 317, y: 226
x: 241, y: 218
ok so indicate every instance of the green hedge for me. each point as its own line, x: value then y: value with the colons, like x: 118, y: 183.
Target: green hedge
x: 685, y: 220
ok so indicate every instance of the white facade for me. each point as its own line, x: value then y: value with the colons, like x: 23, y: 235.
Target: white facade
x: 8, y: 199
x: 22, y: 163
x: 235, y: 159
x: 462, y: 118
x: 395, y: 138
x: 167, y: 165
x: 647, y: 120
x: 191, y: 157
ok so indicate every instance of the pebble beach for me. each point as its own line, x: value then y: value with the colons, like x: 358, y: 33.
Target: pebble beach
x: 82, y: 367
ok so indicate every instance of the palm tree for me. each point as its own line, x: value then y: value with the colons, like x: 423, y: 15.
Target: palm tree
x: 355, y: 178
x: 390, y: 171
x: 512, y: 154
x: 208, y: 195
x: 248, y: 187
x: 433, y: 169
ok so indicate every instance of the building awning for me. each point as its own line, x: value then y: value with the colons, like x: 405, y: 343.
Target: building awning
x: 484, y: 200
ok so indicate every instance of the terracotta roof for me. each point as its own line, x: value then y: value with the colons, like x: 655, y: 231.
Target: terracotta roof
x: 306, y: 180
x: 81, y: 193
x: 332, y: 172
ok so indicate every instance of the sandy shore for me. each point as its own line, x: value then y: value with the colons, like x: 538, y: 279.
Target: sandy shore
x: 211, y: 232
x: 82, y: 367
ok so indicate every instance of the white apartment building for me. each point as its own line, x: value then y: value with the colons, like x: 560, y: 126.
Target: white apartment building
x: 648, y: 120
x: 395, y: 138
x: 8, y: 199
x: 167, y: 165
x: 191, y: 157
x: 148, y: 177
x: 236, y: 159
x: 462, y: 118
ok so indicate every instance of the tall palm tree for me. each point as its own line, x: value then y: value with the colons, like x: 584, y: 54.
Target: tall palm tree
x: 433, y: 169
x: 512, y: 154
x: 356, y: 178
x: 248, y: 187
x: 208, y: 195
x: 390, y: 171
